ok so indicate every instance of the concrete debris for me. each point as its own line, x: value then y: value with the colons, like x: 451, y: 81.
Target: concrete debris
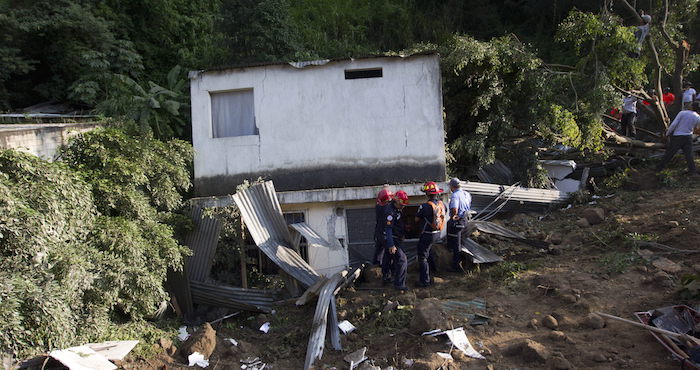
x: 197, y: 358
x: 265, y: 327
x: 356, y: 358
x: 252, y: 363
x: 346, y: 327
x: 82, y: 357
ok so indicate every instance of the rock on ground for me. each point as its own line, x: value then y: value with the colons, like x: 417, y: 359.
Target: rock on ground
x: 202, y: 341
x: 429, y: 314
x: 529, y: 350
x: 594, y: 321
x: 550, y: 322
x: 594, y: 216
x: 434, y: 362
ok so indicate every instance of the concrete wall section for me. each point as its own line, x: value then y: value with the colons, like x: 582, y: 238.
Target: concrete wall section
x: 42, y: 140
x: 317, y: 129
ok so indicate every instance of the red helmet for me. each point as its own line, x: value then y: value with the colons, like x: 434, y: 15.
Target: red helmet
x: 431, y: 188
x: 384, y: 196
x: 401, y: 197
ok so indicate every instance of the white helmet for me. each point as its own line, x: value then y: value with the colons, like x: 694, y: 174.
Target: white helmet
x: 646, y: 18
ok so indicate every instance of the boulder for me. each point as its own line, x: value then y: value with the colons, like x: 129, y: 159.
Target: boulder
x: 202, y: 341
x: 550, y: 322
x: 429, y: 314
x: 594, y: 216
x: 582, y: 222
x: 529, y: 350
x: 559, y: 363
x: 666, y: 265
x: 593, y: 321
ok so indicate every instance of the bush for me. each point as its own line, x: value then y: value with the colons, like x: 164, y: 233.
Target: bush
x: 87, y: 242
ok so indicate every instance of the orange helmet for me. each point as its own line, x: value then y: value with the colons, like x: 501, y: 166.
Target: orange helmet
x: 401, y: 197
x: 431, y: 188
x: 384, y: 196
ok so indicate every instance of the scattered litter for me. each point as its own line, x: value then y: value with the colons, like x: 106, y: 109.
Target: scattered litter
x: 459, y: 340
x: 356, y: 358
x: 114, y: 350
x: 232, y: 341
x: 265, y: 327
x: 433, y: 332
x: 592, y: 202
x: 252, y: 363
x: 183, y: 334
x: 82, y: 357
x: 197, y: 358
x: 346, y: 326
x: 446, y: 356
x: 676, y: 319
x: 567, y: 207
x: 408, y: 362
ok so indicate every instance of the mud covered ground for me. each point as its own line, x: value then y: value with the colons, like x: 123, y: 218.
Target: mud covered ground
x: 615, y: 266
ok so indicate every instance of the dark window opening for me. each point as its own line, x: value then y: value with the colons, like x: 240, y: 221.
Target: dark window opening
x: 295, y: 218
x: 352, y: 74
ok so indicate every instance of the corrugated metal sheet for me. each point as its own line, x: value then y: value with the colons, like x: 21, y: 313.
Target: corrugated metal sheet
x: 262, y: 214
x: 312, y: 237
x: 255, y: 300
x: 478, y: 253
x: 179, y: 287
x: 519, y: 198
x: 202, y: 240
x: 317, y: 339
x: 494, y: 228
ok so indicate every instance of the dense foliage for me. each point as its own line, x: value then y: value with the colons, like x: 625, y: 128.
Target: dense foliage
x: 536, y: 68
x: 88, y: 241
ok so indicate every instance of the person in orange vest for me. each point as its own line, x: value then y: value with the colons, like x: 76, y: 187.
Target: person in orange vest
x: 431, y: 217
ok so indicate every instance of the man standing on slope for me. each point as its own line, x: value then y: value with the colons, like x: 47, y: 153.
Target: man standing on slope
x: 680, y: 135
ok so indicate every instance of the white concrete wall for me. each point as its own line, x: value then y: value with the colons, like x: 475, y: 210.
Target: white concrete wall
x: 313, y: 118
x: 42, y: 140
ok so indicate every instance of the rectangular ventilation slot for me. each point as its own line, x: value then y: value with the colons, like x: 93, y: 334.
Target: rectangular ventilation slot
x: 352, y: 74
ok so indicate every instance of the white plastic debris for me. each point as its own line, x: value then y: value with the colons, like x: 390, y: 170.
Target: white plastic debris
x: 346, y: 327
x: 252, y: 363
x: 82, y: 357
x: 197, y: 358
x: 265, y: 327
x: 408, y: 362
x: 459, y: 340
x: 182, y: 335
x: 356, y: 358
x: 232, y: 341
x: 432, y: 332
x: 444, y: 355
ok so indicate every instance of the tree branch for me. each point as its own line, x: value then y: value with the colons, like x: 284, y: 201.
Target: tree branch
x: 664, y: 33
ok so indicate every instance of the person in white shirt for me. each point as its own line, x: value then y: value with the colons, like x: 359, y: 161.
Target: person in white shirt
x: 629, y: 115
x: 680, y: 134
x: 689, y: 95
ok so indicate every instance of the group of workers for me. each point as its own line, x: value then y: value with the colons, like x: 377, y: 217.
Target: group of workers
x: 431, y: 217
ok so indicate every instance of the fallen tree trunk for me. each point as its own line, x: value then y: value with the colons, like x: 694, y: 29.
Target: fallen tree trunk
x: 619, y: 139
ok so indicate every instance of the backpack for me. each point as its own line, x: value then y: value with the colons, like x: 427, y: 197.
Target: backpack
x: 438, y: 216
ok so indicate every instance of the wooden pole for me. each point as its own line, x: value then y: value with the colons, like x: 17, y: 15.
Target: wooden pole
x: 686, y: 337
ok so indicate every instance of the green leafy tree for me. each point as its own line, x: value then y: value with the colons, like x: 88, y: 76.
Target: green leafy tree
x: 86, y: 242
x: 165, y: 110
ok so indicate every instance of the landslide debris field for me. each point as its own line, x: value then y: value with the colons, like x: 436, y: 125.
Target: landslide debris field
x: 539, y: 301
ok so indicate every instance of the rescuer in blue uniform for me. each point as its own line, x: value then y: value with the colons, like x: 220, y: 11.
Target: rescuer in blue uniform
x: 394, y: 234
x: 460, y: 201
x: 383, y: 198
x: 431, y: 217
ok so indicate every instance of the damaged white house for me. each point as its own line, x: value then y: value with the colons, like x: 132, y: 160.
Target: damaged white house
x: 328, y: 134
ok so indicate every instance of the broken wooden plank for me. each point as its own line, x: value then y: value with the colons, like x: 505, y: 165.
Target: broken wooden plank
x: 312, y: 292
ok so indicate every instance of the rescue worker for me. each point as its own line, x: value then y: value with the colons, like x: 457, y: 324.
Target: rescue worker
x: 460, y: 202
x: 383, y: 198
x: 431, y: 217
x: 394, y: 234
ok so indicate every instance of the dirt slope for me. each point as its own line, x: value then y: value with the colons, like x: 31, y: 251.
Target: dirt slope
x: 588, y: 268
